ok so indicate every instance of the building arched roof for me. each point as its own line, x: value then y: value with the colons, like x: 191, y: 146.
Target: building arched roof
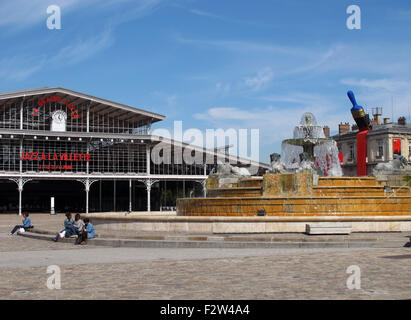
x: 98, y: 105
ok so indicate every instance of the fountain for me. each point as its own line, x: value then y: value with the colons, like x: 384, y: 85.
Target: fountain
x: 310, y: 150
x: 305, y: 180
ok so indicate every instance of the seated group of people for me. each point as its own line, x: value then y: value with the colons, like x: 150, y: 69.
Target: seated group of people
x: 83, y: 229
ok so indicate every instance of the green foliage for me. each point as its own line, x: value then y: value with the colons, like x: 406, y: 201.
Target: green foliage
x: 407, y: 179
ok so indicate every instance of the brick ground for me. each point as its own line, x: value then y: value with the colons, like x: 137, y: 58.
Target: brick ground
x: 207, y: 274
x: 282, y: 274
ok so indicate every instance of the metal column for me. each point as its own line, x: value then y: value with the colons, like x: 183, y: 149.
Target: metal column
x: 20, y: 187
x: 115, y: 195
x: 88, y: 118
x: 148, y: 188
x: 149, y: 183
x: 129, y: 196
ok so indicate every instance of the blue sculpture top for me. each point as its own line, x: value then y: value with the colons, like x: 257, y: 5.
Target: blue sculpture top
x: 362, y: 119
x: 351, y: 96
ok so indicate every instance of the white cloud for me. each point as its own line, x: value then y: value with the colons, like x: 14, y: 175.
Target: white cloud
x: 243, y: 46
x: 386, y: 84
x: 83, y: 49
x: 23, y: 13
x: 205, y: 14
x: 20, y: 14
x: 226, y: 113
x: 319, y: 61
x: 276, y: 122
x: 171, y: 100
x: 259, y: 81
x: 223, y: 88
x: 21, y: 67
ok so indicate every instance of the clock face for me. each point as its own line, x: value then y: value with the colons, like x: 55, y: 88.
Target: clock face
x: 59, y: 116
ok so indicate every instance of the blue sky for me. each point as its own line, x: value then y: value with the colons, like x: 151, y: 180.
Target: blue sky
x: 216, y: 64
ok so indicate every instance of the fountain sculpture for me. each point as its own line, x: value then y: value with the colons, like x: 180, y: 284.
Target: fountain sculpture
x: 310, y: 150
x: 305, y: 180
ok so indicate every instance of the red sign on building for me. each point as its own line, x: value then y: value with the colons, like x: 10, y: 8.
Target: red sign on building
x: 396, y: 146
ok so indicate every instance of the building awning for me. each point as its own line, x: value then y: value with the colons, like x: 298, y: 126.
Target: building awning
x: 97, y: 105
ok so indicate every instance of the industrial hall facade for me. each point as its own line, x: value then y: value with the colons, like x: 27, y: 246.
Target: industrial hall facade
x: 66, y: 151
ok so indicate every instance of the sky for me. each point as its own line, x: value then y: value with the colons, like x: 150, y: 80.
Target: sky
x: 213, y: 64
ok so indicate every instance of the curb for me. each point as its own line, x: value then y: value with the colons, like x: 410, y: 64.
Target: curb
x: 136, y: 243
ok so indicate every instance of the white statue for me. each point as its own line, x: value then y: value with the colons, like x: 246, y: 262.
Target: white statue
x: 227, y: 170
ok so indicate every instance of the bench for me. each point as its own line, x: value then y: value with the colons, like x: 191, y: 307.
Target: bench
x: 327, y: 228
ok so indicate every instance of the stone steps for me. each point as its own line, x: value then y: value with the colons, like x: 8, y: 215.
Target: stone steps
x: 347, y: 181
x: 250, y: 182
x: 295, y: 195
x: 222, y: 242
x: 343, y: 191
x: 296, y: 206
x: 327, y: 228
x: 235, y: 192
x: 323, y: 191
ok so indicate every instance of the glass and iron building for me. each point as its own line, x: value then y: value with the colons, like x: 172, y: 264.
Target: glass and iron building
x: 92, y: 155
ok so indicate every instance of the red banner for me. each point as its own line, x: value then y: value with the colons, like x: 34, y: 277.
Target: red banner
x: 396, y: 146
x: 362, y: 153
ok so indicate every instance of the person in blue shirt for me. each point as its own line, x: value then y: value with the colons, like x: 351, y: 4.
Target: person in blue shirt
x: 68, y: 227
x: 88, y: 232
x: 26, y: 224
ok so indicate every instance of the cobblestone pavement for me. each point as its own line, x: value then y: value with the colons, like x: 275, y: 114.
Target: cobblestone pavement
x: 143, y: 273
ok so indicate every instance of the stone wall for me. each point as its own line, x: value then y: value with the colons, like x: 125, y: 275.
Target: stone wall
x: 221, y: 225
x: 298, y: 184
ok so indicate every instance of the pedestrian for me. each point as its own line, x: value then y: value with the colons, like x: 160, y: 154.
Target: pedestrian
x: 88, y: 232
x: 78, y: 224
x: 68, y: 228
x: 26, y: 224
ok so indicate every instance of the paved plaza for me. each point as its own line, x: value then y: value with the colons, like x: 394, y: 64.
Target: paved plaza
x: 90, y: 272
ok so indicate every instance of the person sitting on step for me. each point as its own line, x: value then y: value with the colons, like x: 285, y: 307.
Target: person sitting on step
x: 26, y: 224
x: 78, y: 224
x: 68, y: 228
x: 88, y: 232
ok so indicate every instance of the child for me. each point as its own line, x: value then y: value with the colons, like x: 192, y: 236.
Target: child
x: 26, y: 224
x: 78, y: 224
x: 88, y: 232
x: 68, y: 227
